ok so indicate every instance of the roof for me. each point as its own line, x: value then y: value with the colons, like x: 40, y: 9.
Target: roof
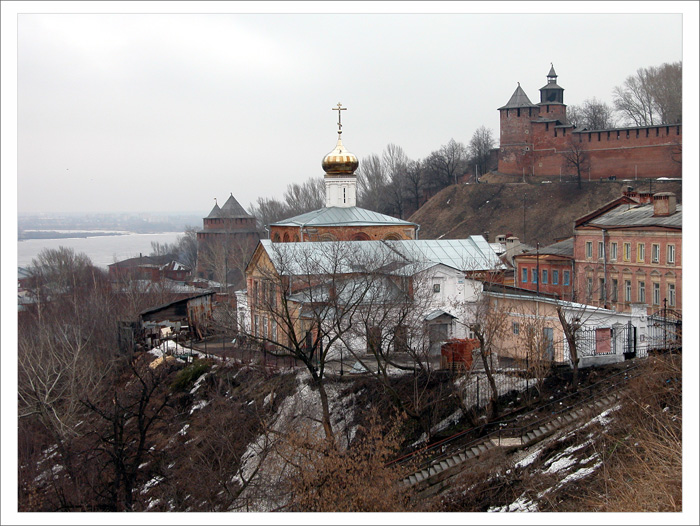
x: 631, y: 215
x: 342, y: 216
x: 215, y: 212
x: 232, y: 209
x: 394, y: 257
x: 183, y: 300
x: 518, y: 100
x: 564, y: 248
x: 436, y: 314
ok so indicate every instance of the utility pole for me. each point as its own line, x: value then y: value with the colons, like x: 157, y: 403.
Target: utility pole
x: 537, y: 271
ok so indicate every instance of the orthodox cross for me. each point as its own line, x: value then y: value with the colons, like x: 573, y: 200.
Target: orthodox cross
x: 339, y: 108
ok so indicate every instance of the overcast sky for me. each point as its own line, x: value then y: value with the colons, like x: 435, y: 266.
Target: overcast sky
x: 165, y: 112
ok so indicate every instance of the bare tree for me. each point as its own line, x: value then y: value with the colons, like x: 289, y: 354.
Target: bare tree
x: 480, y: 147
x: 414, y: 184
x: 445, y: 165
x: 571, y: 324
x: 302, y: 198
x: 372, y: 180
x: 651, y: 96
x: 576, y: 157
x: 591, y: 115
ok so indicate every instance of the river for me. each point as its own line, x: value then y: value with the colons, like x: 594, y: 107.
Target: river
x: 102, y: 250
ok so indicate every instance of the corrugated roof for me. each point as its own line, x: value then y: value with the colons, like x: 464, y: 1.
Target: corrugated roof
x: 342, y: 216
x: 518, y: 100
x: 627, y: 215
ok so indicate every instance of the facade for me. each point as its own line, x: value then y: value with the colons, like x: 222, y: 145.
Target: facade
x: 630, y: 252
x: 341, y: 219
x: 436, y: 275
x: 549, y: 270
x: 532, y: 331
x: 226, y: 242
x: 535, y: 137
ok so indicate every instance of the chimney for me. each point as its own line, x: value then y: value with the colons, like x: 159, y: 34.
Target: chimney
x: 486, y: 235
x: 512, y: 241
x: 664, y: 204
x: 501, y: 238
x: 646, y: 197
x: 631, y: 193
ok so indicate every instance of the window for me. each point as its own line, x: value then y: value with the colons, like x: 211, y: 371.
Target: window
x: 534, y: 275
x: 256, y: 329
x: 655, y: 252
x: 273, y: 331
x: 374, y: 339
x: 613, y: 251
x: 601, y: 289
x: 613, y: 290
x: 436, y: 288
x: 656, y: 294
x: 601, y: 250
x: 566, y: 277
x: 544, y: 276
x: 589, y: 249
x: 264, y: 328
x: 640, y: 252
x: 555, y: 277
x: 627, y: 251
x: 401, y: 338
x: 628, y: 291
x: 671, y: 295
x: 516, y: 327
x: 641, y: 292
x: 671, y: 254
x: 589, y: 288
x: 524, y: 278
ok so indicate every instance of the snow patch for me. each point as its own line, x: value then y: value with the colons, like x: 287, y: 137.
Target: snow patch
x: 199, y: 405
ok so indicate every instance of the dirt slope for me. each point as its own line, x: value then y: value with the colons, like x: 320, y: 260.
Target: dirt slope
x: 534, y: 212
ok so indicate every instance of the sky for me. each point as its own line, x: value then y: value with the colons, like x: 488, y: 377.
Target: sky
x: 164, y: 110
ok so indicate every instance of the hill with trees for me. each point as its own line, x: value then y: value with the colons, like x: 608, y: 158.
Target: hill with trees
x: 533, y: 211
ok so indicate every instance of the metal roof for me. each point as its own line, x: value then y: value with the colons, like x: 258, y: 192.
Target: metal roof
x: 342, y: 216
x: 215, y: 212
x: 518, y: 100
x: 232, y: 209
x: 628, y: 215
x: 397, y: 257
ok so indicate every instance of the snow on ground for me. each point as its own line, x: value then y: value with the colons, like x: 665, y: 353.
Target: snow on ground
x: 199, y: 405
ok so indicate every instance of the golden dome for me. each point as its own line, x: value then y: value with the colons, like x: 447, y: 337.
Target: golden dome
x: 340, y: 161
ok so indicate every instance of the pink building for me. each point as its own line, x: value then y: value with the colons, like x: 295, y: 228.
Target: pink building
x: 629, y: 251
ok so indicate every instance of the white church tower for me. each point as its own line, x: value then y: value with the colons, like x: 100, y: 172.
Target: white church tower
x: 340, y: 179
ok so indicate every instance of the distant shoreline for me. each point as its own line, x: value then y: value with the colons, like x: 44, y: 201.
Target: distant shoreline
x: 24, y: 236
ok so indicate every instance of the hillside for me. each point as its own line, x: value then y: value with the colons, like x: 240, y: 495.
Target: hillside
x: 533, y: 211
x: 232, y: 427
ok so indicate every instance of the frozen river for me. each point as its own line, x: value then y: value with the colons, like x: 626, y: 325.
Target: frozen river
x: 102, y: 250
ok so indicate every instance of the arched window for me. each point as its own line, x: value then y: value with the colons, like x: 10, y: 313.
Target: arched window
x: 392, y: 237
x: 327, y: 237
x: 276, y: 238
x: 286, y: 237
x: 360, y: 236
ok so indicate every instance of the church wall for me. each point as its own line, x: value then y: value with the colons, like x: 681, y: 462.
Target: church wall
x: 341, y: 233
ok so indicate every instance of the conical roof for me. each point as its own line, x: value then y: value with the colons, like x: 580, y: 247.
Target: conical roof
x: 215, y: 212
x: 518, y: 100
x: 232, y: 209
x: 552, y: 73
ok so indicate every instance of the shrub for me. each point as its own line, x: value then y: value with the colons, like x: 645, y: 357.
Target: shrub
x: 188, y: 376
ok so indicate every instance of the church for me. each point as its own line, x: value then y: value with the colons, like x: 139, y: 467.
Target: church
x: 341, y: 219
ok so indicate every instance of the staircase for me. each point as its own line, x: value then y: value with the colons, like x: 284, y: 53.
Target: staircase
x: 435, y: 475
